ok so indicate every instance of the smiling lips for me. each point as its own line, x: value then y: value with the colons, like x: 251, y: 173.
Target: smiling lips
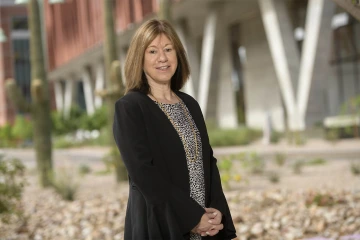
x: 163, y: 68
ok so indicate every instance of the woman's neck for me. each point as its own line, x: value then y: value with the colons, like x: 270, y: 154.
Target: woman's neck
x: 163, y: 93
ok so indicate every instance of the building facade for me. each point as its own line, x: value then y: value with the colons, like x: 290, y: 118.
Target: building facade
x: 294, y: 62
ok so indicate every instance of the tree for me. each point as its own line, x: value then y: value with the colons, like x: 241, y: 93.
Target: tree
x: 39, y: 108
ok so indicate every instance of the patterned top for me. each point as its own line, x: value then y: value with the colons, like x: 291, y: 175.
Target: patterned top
x: 195, y: 168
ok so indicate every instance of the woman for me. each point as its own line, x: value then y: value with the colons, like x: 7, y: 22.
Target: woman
x: 175, y: 188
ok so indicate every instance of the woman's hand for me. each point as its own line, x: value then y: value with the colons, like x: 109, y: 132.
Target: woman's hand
x: 210, y: 223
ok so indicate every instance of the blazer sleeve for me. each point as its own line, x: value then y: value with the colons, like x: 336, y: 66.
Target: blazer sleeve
x: 131, y: 138
x: 218, y: 201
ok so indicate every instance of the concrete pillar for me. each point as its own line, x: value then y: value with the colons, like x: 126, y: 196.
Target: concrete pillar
x: 226, y: 112
x: 88, y: 92
x: 207, y: 58
x: 59, y: 96
x: 189, y: 87
x: 68, y: 97
x: 315, y: 68
x: 99, y: 83
x: 261, y: 87
x: 276, y: 42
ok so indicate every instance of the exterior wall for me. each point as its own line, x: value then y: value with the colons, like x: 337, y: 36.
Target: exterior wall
x: 262, y: 91
x: 75, y: 27
x: 7, y: 60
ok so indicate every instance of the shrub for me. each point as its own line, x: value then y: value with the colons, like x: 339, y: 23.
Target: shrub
x: 280, y: 159
x: 65, y: 184
x: 316, y: 161
x: 22, y: 129
x: 231, y: 137
x: 320, y: 199
x: 297, y: 167
x: 273, y: 177
x: 254, y: 163
x: 96, y: 121
x: 355, y: 168
x: 7, y: 139
x: 84, y: 169
x: 11, y: 187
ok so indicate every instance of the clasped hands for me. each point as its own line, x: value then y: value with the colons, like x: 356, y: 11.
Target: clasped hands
x: 210, y: 223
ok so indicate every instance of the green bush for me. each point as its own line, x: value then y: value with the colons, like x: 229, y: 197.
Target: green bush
x: 355, y: 168
x: 22, y: 129
x: 274, y: 177
x: 7, y: 139
x: 79, y: 119
x: 298, y: 166
x: 280, y: 159
x: 232, y: 137
x: 11, y: 187
x: 62, y: 125
x: 84, y: 169
x: 316, y: 161
x: 96, y: 121
x: 65, y: 184
x: 254, y: 163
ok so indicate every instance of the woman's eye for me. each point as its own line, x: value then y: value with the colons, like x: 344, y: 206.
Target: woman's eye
x: 168, y: 49
x: 152, y: 51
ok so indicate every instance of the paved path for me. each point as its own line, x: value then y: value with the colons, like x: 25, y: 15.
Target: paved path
x: 349, y: 149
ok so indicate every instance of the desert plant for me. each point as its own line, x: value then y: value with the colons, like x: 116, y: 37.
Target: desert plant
x: 22, y: 128
x: 332, y: 135
x: 298, y: 166
x: 65, y: 184
x: 355, y: 168
x: 316, y: 161
x: 320, y: 199
x: 280, y: 159
x: 254, y: 163
x: 231, y: 137
x: 273, y: 177
x: 84, y: 169
x: 12, y: 183
x: 39, y: 107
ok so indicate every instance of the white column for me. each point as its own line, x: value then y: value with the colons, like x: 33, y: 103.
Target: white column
x: 315, y: 17
x: 88, y: 92
x: 69, y: 92
x: 189, y: 87
x: 122, y: 57
x: 59, y: 96
x: 272, y: 29
x: 207, y: 59
x: 99, y: 83
x: 226, y: 111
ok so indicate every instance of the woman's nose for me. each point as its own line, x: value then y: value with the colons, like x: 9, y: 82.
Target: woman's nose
x: 162, y: 57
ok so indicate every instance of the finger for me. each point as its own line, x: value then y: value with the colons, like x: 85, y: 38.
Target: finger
x: 211, y: 210
x: 215, y: 220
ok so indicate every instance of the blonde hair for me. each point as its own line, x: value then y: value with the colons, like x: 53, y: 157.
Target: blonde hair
x: 134, y: 63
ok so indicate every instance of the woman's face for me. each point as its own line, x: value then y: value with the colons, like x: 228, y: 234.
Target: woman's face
x: 160, y: 61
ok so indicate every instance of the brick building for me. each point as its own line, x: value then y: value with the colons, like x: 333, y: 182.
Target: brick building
x: 293, y: 61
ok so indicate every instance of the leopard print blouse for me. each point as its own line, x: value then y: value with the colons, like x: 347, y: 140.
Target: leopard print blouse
x: 195, y: 168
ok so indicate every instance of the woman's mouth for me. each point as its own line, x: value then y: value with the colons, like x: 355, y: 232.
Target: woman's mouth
x: 163, y: 68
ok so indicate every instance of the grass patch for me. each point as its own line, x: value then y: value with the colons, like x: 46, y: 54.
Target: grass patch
x: 315, y: 162
x: 232, y: 137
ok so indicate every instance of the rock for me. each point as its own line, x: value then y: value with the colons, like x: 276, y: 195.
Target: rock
x: 257, y: 229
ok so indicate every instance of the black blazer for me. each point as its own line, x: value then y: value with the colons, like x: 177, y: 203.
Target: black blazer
x: 159, y: 204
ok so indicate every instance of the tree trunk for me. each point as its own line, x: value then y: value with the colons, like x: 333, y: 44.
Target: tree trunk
x: 113, y: 81
x: 40, y: 98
